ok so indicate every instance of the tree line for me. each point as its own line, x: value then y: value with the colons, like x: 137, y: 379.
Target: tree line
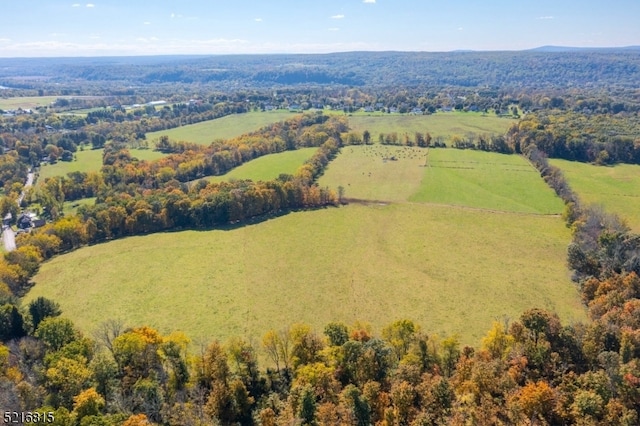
x: 599, y: 138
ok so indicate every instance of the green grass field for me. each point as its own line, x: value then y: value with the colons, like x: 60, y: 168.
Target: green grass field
x: 617, y: 188
x: 454, y: 177
x: 26, y: 102
x: 222, y: 128
x: 364, y: 174
x: 445, y: 124
x: 268, y: 167
x: 450, y: 270
x: 90, y: 160
x: 485, y: 180
x: 451, y: 239
x: 70, y: 207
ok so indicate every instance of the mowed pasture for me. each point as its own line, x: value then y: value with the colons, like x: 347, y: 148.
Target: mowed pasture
x: 32, y: 102
x: 485, y: 180
x: 443, y: 124
x: 268, y: 167
x: 368, y: 172
x: 453, y: 271
x: 222, y: 128
x: 26, y: 102
x: 463, y: 178
x: 90, y: 160
x: 616, y: 188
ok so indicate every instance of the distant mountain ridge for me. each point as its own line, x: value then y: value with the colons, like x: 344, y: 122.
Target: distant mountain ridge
x: 562, y: 49
x: 539, y: 67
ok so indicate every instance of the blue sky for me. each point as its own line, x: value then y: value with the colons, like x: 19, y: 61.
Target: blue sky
x: 148, y: 27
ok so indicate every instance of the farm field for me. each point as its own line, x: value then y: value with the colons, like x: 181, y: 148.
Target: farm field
x: 30, y: 102
x: 453, y: 177
x: 221, y: 128
x: 90, y: 160
x: 268, y: 167
x: 616, y: 188
x: 485, y: 180
x: 445, y: 124
x: 367, y: 172
x: 26, y: 102
x: 450, y: 270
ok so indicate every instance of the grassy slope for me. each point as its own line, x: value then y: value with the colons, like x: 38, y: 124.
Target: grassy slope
x: 268, y: 167
x: 26, y: 102
x: 466, y: 178
x: 443, y: 124
x: 485, y: 180
x: 222, y: 128
x: 70, y: 207
x: 616, y: 188
x: 453, y: 271
x: 90, y: 160
x: 363, y: 174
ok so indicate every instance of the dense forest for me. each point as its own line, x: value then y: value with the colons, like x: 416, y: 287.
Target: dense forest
x: 576, y: 105
x: 533, y: 69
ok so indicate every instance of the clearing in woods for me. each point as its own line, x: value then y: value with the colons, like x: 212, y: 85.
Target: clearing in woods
x: 616, y: 188
x: 226, y: 127
x: 89, y: 160
x: 268, y: 167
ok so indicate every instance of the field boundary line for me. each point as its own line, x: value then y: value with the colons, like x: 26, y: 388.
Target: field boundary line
x: 457, y: 206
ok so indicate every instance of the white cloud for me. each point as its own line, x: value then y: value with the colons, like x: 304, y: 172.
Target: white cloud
x: 368, y: 1
x: 5, y: 40
x: 546, y: 17
x: 258, y: 19
x: 337, y: 17
x: 91, y: 5
x: 460, y: 29
x: 173, y: 15
x: 76, y: 5
x: 146, y: 23
x: 334, y: 29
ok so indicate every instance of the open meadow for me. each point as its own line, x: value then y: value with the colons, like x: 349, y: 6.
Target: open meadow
x: 444, y: 124
x: 268, y: 167
x: 466, y: 178
x: 221, y: 128
x: 485, y: 180
x: 89, y: 160
x: 616, y: 188
x: 450, y: 270
x: 26, y: 102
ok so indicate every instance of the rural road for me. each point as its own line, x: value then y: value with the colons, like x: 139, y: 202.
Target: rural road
x: 8, y: 236
x: 27, y: 184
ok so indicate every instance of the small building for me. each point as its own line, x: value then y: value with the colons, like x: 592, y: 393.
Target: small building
x: 27, y: 220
